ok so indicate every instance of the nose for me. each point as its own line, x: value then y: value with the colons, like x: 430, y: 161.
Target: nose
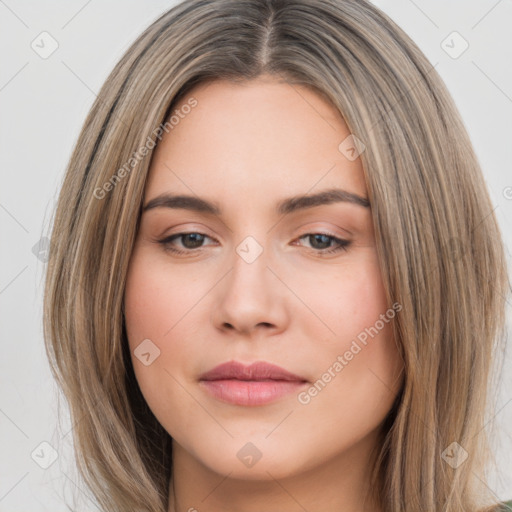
x: 250, y: 299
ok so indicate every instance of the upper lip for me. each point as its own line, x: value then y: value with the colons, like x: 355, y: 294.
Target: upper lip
x: 259, y: 370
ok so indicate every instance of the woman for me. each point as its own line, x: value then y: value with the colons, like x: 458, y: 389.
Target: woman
x: 276, y: 279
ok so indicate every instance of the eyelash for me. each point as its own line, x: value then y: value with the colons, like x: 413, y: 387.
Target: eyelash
x: 341, y: 244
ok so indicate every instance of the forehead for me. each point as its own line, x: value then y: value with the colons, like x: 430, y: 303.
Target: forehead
x: 262, y: 137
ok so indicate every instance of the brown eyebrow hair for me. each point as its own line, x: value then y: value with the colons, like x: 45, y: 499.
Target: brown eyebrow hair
x: 284, y: 207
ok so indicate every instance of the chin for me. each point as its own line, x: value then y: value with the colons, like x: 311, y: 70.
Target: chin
x: 254, y: 460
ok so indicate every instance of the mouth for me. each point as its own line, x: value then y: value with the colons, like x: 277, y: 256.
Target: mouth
x: 257, y: 384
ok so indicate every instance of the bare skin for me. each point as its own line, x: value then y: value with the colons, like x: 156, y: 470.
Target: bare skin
x: 246, y: 148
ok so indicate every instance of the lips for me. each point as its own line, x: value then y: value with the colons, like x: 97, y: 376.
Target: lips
x: 257, y: 371
x: 257, y: 384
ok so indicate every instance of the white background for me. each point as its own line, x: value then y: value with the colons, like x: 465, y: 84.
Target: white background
x: 43, y: 103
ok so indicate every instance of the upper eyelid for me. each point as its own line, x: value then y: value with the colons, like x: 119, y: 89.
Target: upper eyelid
x: 307, y: 230
x: 173, y: 236
x: 183, y: 233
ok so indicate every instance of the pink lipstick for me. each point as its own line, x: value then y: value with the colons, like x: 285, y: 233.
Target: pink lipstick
x: 257, y: 384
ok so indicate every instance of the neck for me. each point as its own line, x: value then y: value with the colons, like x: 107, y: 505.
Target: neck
x: 340, y: 484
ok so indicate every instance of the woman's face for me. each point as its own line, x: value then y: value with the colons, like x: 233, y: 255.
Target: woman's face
x: 246, y: 258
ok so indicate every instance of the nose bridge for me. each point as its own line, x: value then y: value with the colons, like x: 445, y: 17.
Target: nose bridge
x: 249, y: 296
x: 250, y: 250
x: 249, y: 277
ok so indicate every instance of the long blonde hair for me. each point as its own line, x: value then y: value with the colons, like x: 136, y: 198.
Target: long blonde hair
x: 439, y: 246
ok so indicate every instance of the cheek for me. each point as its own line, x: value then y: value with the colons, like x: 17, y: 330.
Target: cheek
x: 347, y: 299
x: 157, y: 299
x: 155, y: 304
x: 359, y: 353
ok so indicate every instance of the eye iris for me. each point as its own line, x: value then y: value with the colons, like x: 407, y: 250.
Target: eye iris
x: 324, y: 241
x: 195, y: 240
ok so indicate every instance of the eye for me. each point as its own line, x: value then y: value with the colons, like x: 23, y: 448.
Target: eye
x: 324, y: 243
x: 321, y: 243
x: 188, y: 242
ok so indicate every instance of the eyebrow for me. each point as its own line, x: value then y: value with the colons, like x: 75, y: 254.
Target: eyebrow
x: 292, y: 204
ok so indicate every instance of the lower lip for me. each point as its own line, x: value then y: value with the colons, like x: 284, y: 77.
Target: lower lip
x: 251, y: 392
